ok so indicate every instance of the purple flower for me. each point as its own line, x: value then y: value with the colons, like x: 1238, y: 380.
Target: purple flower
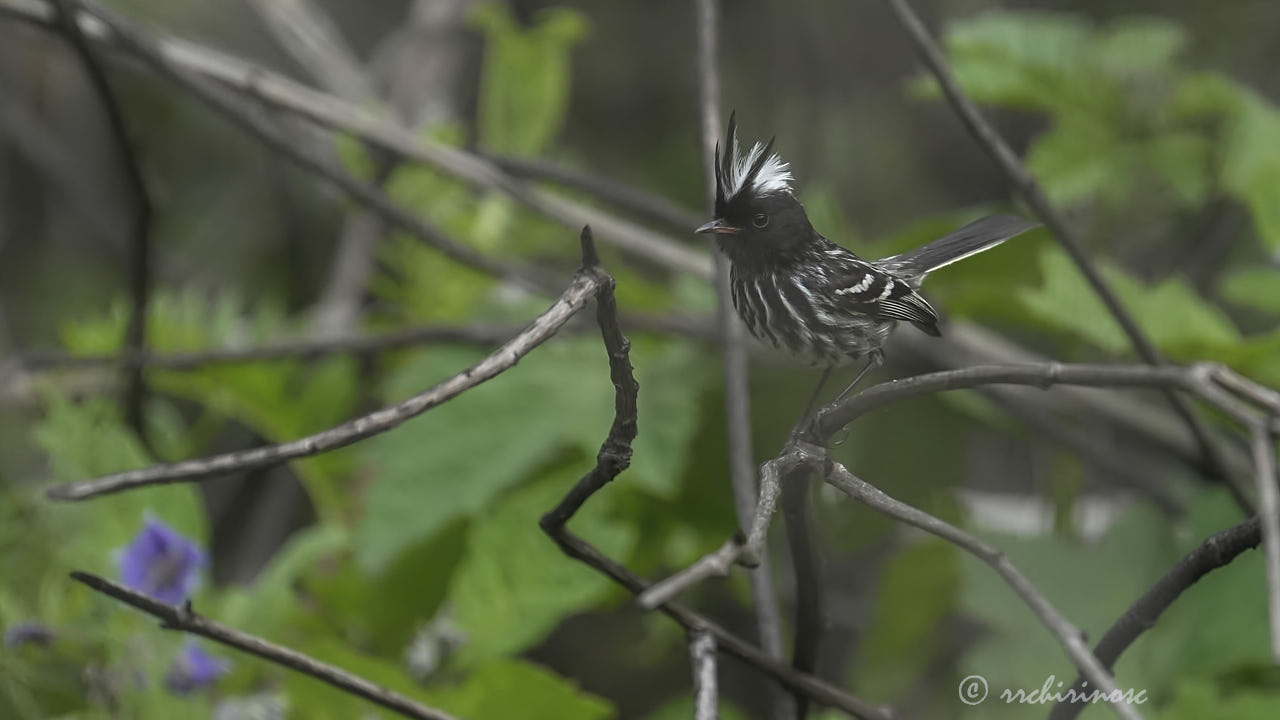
x: 194, y: 669
x: 161, y: 563
x: 28, y: 632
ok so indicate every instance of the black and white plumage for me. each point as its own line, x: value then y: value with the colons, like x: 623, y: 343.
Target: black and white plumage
x: 800, y: 292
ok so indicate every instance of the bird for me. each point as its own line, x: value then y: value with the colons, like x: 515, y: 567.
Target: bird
x: 804, y: 294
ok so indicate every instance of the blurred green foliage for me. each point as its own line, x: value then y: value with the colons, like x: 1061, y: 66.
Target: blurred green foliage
x: 435, y: 523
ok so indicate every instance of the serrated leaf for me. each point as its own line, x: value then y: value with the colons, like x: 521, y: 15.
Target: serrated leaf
x: 514, y: 585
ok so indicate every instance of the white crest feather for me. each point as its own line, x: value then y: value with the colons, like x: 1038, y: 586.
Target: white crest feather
x: 774, y: 176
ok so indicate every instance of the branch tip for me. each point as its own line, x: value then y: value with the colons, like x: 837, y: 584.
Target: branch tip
x: 590, y: 258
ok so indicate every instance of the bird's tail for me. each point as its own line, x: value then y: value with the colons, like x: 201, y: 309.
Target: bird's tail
x: 969, y: 240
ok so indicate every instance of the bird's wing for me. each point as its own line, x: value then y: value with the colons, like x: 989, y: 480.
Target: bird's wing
x: 861, y: 287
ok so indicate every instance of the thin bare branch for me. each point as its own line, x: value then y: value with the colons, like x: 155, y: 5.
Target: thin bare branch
x: 586, y: 283
x: 990, y: 140
x: 1068, y: 635
x: 702, y: 655
x: 277, y: 91
x: 184, y: 619
x: 1218, y: 550
x: 135, y: 334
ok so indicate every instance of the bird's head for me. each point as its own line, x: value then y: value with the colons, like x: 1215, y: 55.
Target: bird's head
x: 756, y: 211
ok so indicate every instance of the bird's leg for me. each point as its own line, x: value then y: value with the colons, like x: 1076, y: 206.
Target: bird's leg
x: 874, y: 360
x: 803, y: 423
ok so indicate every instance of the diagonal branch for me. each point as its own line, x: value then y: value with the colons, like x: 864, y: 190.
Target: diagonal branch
x: 1218, y: 550
x: 586, y: 283
x: 184, y: 619
x: 1068, y: 635
x: 135, y: 334
x: 995, y: 146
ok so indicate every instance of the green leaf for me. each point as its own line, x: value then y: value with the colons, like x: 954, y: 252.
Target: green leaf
x: 1251, y: 166
x: 1018, y: 651
x: 524, y: 86
x: 279, y: 400
x: 917, y: 591
x: 1082, y: 158
x: 1196, y: 700
x: 672, y: 388
x: 271, y: 601
x: 1250, y: 152
x: 406, y: 595
x: 87, y: 439
x: 1140, y: 43
x: 309, y: 698
x: 514, y: 585
x: 1172, y: 314
x: 505, y: 689
x: 1030, y: 60
x: 1254, y: 287
x: 451, y: 462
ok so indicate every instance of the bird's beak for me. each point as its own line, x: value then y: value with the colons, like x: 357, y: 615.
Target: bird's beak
x: 720, y: 227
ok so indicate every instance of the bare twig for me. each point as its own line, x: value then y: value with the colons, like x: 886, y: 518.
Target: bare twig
x: 135, y: 335
x: 1218, y: 550
x: 184, y: 619
x: 1068, y: 635
x: 275, y: 90
x: 737, y: 391
x: 613, y: 458
x: 586, y: 283
x: 702, y: 655
x: 995, y: 146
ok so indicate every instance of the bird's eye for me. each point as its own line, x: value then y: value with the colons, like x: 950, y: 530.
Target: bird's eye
x: 760, y: 220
